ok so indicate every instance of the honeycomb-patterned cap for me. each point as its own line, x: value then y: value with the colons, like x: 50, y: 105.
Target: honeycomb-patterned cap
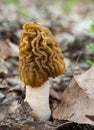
x: 39, y: 55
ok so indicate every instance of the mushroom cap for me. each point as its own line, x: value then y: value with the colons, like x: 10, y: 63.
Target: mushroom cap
x: 39, y: 55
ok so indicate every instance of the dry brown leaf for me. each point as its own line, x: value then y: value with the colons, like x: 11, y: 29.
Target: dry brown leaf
x: 13, y: 46
x: 8, y: 49
x: 78, y: 99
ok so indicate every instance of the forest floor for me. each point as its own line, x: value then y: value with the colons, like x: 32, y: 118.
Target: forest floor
x: 71, y: 30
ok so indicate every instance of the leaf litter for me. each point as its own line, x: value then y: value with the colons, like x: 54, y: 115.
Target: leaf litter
x: 69, y: 88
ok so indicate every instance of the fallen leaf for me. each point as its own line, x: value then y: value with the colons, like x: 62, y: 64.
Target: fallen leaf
x: 8, y: 49
x: 13, y: 46
x: 78, y: 99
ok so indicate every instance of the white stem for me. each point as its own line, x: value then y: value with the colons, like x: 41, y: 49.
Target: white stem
x: 38, y: 99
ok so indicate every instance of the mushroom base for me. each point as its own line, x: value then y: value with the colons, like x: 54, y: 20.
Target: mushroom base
x: 38, y: 99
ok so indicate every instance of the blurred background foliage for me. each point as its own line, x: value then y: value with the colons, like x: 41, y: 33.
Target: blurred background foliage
x: 25, y: 7
x: 90, y: 46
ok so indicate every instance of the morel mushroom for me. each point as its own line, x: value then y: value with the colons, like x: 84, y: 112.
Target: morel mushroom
x: 40, y: 58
